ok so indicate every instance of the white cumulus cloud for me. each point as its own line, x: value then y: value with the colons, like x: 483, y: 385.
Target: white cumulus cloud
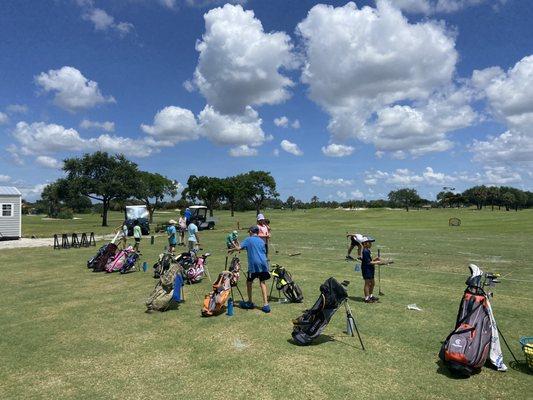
x: 243, y: 151
x: 173, y: 124
x: 106, y: 126
x: 4, y: 119
x: 282, y: 122
x: 291, y: 148
x: 337, y: 150
x: 72, y: 90
x: 102, y: 21
x: 49, y: 162
x: 317, y: 180
x: 4, y: 178
x: 361, y: 63
x: 239, y: 63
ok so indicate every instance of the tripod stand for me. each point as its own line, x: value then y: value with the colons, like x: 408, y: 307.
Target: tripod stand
x: 350, y: 323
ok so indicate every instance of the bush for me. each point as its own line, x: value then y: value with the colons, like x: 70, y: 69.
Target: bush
x: 65, y: 213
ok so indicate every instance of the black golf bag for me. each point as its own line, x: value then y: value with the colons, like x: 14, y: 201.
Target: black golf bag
x: 98, y: 262
x: 467, y: 347
x: 313, y: 321
x: 163, y: 263
x: 285, y: 284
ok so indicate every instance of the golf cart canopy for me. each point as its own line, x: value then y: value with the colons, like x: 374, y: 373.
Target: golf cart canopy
x: 136, y: 212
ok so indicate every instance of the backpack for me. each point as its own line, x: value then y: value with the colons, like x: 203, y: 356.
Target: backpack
x: 467, y: 347
x: 161, y: 298
x: 286, y: 284
x: 215, y: 301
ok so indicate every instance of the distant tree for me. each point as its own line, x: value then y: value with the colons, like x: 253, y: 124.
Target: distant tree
x: 404, y: 197
x: 152, y: 189
x: 314, y: 201
x: 476, y: 195
x: 102, y: 177
x: 290, y: 202
x: 508, y: 199
x: 493, y: 196
x: 233, y: 191
x: 205, y: 189
x: 260, y: 185
x: 51, y: 198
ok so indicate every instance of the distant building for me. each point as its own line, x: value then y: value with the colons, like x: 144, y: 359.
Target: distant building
x: 10, y: 213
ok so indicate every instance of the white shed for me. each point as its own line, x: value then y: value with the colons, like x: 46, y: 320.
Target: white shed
x: 10, y: 213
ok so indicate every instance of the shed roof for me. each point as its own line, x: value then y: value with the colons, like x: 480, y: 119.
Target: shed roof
x: 9, y: 191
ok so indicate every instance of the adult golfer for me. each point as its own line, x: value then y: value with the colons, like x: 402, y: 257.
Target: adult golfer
x: 257, y: 267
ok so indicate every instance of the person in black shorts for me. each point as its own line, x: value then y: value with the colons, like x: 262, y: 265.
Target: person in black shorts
x: 355, y: 241
x: 367, y: 268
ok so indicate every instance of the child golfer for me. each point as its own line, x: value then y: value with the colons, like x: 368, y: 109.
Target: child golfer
x: 194, y: 239
x: 172, y: 233
x: 367, y: 268
x: 257, y: 267
x: 264, y: 230
x: 355, y: 241
x: 232, y: 240
x: 137, y: 235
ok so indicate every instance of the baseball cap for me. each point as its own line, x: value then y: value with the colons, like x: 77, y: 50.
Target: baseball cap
x: 260, y: 217
x: 253, y: 229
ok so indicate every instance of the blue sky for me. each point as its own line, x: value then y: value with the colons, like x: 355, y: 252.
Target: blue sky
x: 339, y: 100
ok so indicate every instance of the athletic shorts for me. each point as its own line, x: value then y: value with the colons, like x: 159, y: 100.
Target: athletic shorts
x: 355, y: 242
x: 368, y: 271
x: 262, y: 276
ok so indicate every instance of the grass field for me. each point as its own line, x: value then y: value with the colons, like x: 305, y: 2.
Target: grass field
x: 69, y: 333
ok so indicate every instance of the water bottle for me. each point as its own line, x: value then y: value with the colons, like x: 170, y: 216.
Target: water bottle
x: 357, y: 267
x: 229, y: 311
x: 145, y: 266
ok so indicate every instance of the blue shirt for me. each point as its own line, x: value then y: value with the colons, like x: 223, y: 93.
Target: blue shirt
x: 255, y: 248
x: 192, y: 230
x: 187, y: 214
x: 366, y: 258
x: 171, y: 231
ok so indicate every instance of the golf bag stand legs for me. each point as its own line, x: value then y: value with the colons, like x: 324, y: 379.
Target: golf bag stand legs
x: 238, y: 290
x: 506, y: 344
x: 274, y: 281
x: 350, y: 323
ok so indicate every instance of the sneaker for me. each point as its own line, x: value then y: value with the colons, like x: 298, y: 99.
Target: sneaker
x: 368, y: 300
x: 246, y: 305
x: 348, y: 257
x: 373, y: 298
x: 266, y: 309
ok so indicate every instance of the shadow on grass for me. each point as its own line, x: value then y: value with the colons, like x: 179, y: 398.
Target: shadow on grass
x: 357, y: 299
x: 444, y: 370
x: 521, y: 366
x: 323, y: 339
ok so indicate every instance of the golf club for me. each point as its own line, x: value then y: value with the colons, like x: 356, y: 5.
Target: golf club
x: 379, y: 275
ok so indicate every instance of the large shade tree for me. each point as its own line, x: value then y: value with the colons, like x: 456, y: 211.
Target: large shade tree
x: 102, y: 177
x: 205, y: 189
x: 259, y: 186
x: 404, y: 197
x: 152, y: 189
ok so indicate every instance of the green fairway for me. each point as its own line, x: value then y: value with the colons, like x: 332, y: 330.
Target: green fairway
x: 67, y: 332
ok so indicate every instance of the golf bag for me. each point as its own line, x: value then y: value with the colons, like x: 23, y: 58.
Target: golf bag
x: 285, y: 284
x: 195, y: 271
x: 235, y: 269
x: 215, y: 301
x: 165, y: 259
x: 310, y: 325
x: 130, y: 262
x: 161, y: 298
x: 475, y: 336
x: 99, y: 262
x: 116, y: 262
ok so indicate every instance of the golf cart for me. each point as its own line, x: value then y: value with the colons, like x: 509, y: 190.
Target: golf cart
x: 139, y: 213
x: 200, y: 218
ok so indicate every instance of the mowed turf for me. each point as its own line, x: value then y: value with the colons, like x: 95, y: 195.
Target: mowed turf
x: 69, y: 333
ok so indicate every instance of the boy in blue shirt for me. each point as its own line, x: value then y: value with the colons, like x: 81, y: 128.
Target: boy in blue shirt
x: 172, y: 232
x: 367, y: 268
x: 257, y: 267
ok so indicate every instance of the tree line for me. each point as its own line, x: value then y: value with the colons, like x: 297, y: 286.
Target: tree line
x: 101, y: 182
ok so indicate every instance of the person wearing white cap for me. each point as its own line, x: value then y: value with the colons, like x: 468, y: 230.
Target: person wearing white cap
x: 172, y: 233
x: 264, y: 230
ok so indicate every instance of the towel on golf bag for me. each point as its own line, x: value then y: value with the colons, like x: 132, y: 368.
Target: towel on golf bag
x: 161, y: 298
x: 116, y: 262
x: 100, y: 263
x: 467, y: 347
x: 313, y: 321
x: 215, y: 301
x: 286, y: 284
x: 132, y: 258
